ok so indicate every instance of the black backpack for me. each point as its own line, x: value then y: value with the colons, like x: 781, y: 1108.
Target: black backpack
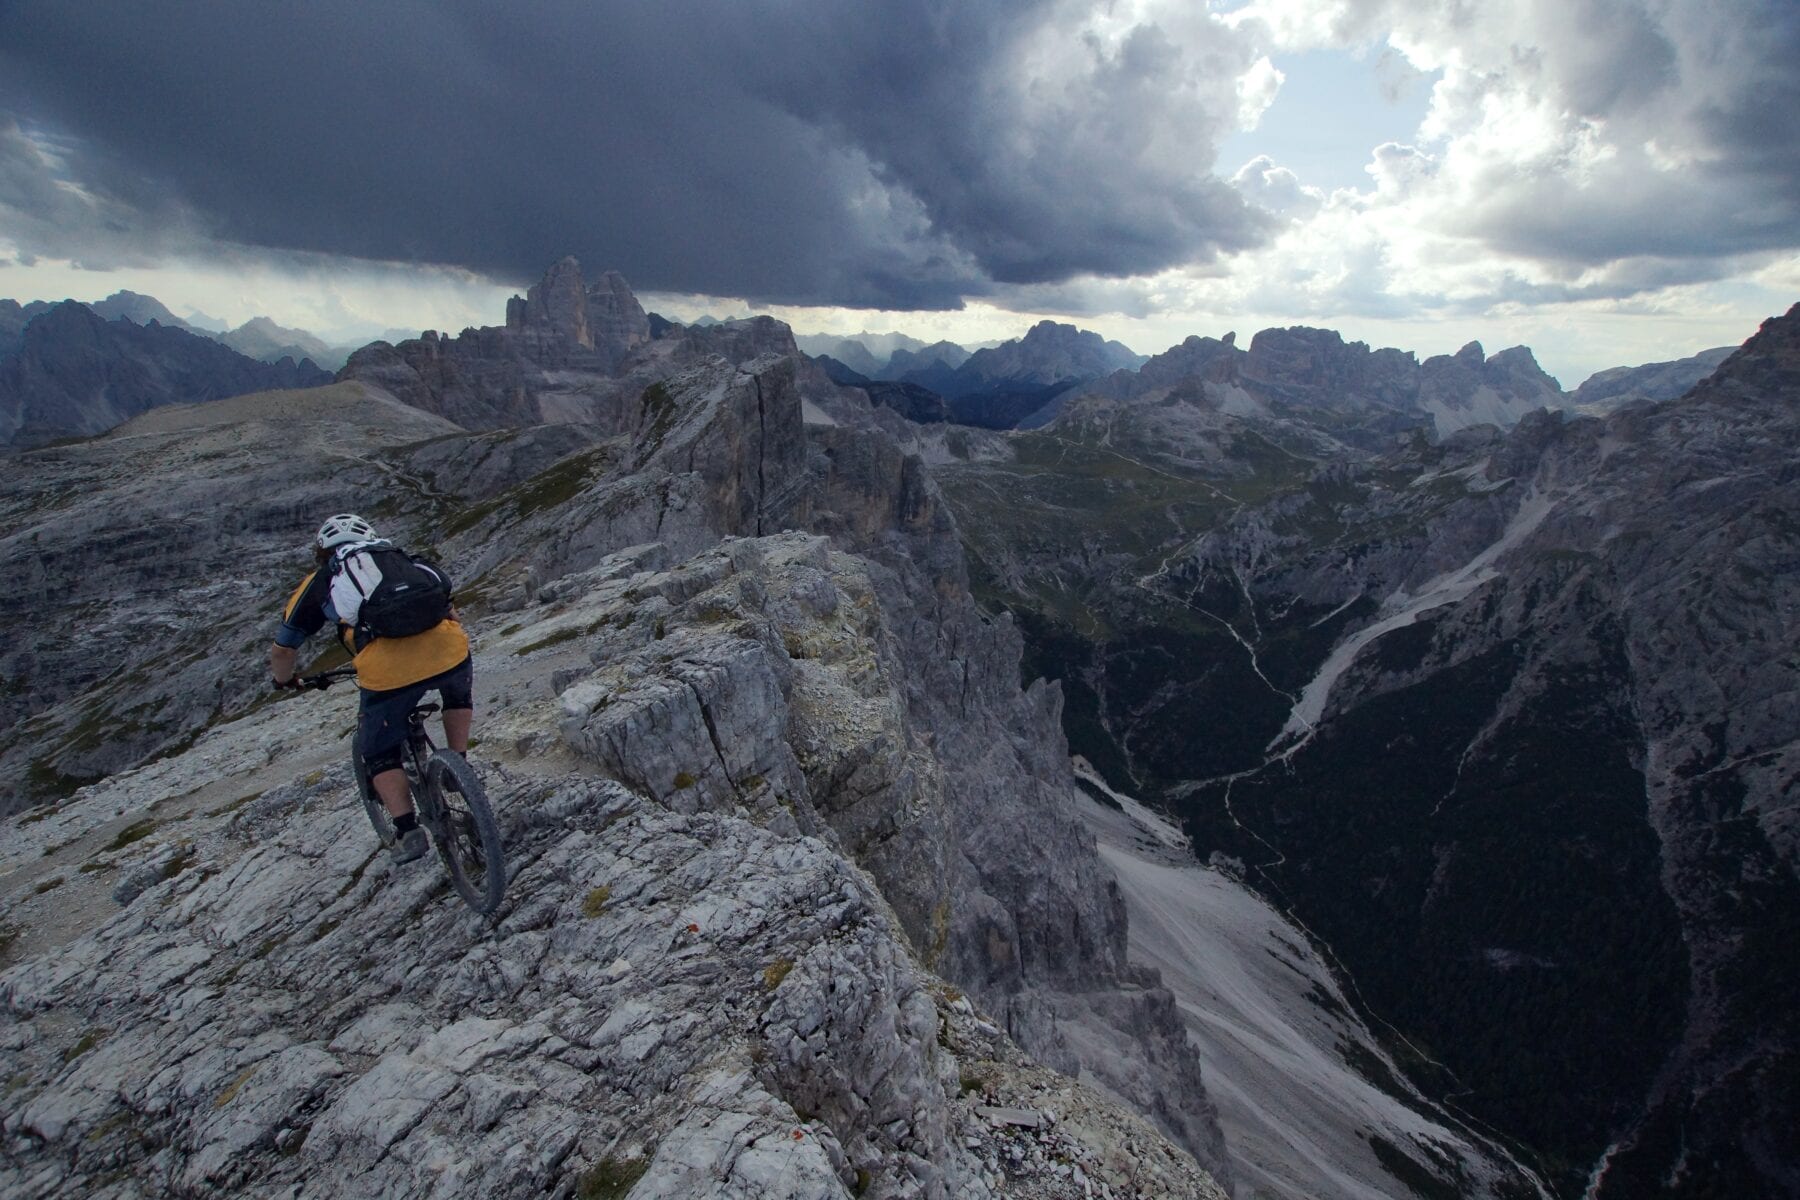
x: 403, y: 594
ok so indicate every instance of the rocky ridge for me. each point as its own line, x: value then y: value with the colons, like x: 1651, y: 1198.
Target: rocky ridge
x: 1362, y: 398
x: 873, y: 717
x: 1606, y: 390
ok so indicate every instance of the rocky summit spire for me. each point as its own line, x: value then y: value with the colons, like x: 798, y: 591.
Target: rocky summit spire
x: 557, y: 305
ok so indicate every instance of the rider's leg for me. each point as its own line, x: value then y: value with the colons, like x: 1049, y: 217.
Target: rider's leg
x: 395, y: 795
x: 456, y: 728
x: 380, y: 734
x: 457, y: 691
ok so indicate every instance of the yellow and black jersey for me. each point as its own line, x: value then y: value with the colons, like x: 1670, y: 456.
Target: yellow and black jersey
x: 382, y: 664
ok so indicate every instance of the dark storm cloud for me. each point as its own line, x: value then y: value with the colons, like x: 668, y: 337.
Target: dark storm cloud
x: 900, y: 155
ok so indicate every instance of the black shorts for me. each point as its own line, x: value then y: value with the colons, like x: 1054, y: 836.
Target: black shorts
x: 381, y: 723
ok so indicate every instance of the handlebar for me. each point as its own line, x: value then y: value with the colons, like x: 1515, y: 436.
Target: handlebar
x: 325, y: 679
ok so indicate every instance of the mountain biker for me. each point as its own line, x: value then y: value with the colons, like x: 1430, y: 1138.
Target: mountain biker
x: 394, y: 673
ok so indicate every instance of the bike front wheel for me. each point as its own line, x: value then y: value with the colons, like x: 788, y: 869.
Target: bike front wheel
x: 467, y: 837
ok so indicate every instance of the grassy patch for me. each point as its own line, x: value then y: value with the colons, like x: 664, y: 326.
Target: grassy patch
x: 231, y: 1089
x: 49, y: 810
x: 595, y: 903
x: 940, y: 932
x: 181, y: 862
x: 554, y: 485
x: 93, y: 868
x: 88, y: 1041
x: 137, y: 831
x: 233, y: 806
x: 610, y: 1178
x: 554, y: 639
x: 658, y: 412
x: 49, y: 885
x: 684, y: 780
x: 777, y: 971
x: 8, y: 936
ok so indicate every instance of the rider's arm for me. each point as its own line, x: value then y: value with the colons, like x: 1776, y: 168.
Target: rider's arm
x: 304, y: 615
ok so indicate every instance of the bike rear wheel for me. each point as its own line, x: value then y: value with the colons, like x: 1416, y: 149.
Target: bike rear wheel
x: 378, y: 816
x: 467, y: 837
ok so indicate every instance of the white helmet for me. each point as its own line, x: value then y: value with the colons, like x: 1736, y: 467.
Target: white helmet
x: 343, y: 528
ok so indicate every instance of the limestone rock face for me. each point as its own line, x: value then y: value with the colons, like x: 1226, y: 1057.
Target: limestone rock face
x: 569, y: 352
x: 617, y: 319
x: 1318, y: 368
x: 1467, y: 389
x: 556, y: 307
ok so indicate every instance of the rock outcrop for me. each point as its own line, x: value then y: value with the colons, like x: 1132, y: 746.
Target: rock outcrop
x: 74, y: 374
x: 570, y: 351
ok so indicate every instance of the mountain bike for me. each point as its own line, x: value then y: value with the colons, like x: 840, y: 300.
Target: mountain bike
x: 452, y: 806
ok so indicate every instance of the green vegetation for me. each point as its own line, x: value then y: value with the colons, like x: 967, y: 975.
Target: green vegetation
x: 232, y: 1089
x: 658, y: 412
x: 610, y: 1178
x: 684, y: 780
x: 940, y: 932
x: 776, y: 971
x: 49, y: 885
x: 554, y: 639
x: 556, y: 484
x: 137, y: 831
x: 88, y: 1041
x: 181, y: 862
x: 594, y: 905
x: 232, y: 806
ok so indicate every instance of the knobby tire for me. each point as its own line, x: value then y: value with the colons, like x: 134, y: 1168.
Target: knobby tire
x: 471, y: 851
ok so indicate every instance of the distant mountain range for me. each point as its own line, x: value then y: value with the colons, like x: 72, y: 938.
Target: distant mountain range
x: 70, y: 372
x: 259, y: 337
x: 1364, y: 396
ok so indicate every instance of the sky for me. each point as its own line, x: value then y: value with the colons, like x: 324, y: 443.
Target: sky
x: 1608, y: 181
